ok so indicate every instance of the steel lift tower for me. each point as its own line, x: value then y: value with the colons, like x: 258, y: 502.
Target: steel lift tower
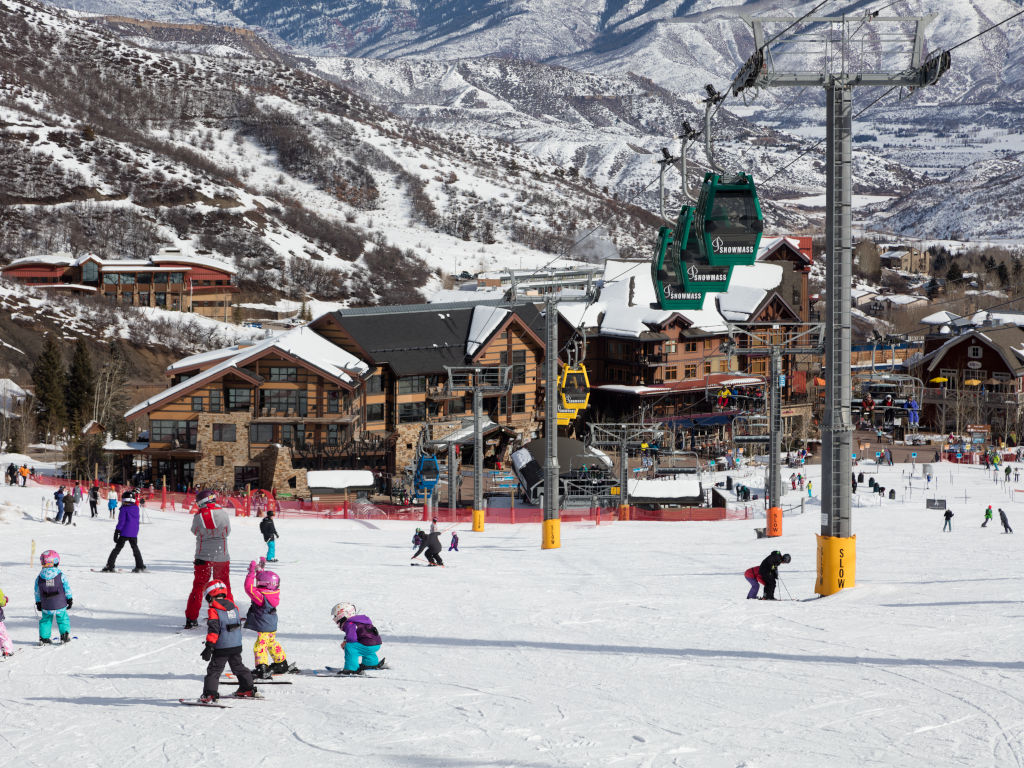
x: 840, y: 53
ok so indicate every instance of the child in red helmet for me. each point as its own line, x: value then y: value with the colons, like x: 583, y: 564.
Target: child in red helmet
x: 223, y: 645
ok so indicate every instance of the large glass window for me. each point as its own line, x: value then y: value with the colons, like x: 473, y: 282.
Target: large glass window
x: 332, y: 434
x: 197, y: 403
x: 375, y: 412
x: 239, y: 399
x: 109, y: 278
x: 411, y: 412
x: 261, y: 433
x: 283, y: 401
x: 215, y: 401
x: 160, y: 277
x: 519, y: 402
x: 183, y: 433
x: 144, y: 278
x: 333, y: 401
x: 127, y: 279
x: 224, y: 433
x: 518, y: 365
x: 90, y: 272
x: 284, y: 374
x: 411, y: 385
x: 375, y: 384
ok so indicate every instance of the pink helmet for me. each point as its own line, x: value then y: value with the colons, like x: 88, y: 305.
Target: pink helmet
x: 49, y: 558
x: 268, y: 580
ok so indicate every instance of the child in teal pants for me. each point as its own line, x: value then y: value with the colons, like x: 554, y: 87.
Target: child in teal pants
x: 362, y: 640
x: 53, y: 598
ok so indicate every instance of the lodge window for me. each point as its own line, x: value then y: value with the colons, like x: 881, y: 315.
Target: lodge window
x: 332, y: 434
x: 671, y: 373
x: 284, y: 374
x: 974, y: 352
x: 144, y: 278
x: 333, y: 401
x: 90, y: 272
x: 689, y: 346
x: 669, y: 347
x: 239, y: 399
x: 283, y: 401
x: 690, y: 371
x: 707, y: 368
x: 456, y: 406
x: 197, y: 403
x: 411, y: 412
x: 224, y: 433
x: 218, y: 461
x: 375, y: 384
x: 519, y: 402
x: 411, y: 385
x: 215, y: 404
x: 375, y: 412
x: 518, y: 365
x: 109, y: 278
x: 169, y: 431
x: 261, y: 433
x: 160, y: 277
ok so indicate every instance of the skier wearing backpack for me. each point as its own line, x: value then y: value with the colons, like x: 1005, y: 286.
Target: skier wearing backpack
x: 223, y: 645
x: 362, y: 640
x: 53, y: 598
x: 211, y: 526
x: 766, y: 573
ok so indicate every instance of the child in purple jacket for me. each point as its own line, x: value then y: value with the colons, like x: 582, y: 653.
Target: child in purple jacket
x: 455, y: 542
x: 362, y: 640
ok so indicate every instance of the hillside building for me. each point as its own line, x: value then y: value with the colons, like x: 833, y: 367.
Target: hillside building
x: 169, y: 280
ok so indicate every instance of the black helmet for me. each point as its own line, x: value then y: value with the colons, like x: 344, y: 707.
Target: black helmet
x: 786, y: 558
x: 130, y: 496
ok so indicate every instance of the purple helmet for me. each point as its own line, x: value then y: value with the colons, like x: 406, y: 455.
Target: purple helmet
x: 268, y: 580
x: 206, y: 497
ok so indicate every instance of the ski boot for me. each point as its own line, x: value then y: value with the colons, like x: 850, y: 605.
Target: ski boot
x: 139, y: 569
x: 379, y: 665
x: 45, y: 641
x: 282, y: 667
x: 191, y: 623
x: 262, y: 672
x: 106, y: 569
x: 249, y: 693
x: 65, y: 637
x: 209, y: 697
x: 351, y: 672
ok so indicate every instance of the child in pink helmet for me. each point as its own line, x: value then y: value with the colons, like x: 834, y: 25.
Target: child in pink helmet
x: 263, y: 588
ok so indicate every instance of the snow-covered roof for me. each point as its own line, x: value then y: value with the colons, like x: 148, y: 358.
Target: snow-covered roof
x: 152, y: 264
x: 121, y: 445
x: 674, y: 487
x: 940, y: 318
x: 303, y: 343
x: 485, y: 321
x: 193, y: 361
x: 339, y: 478
x: 747, y: 289
x: 900, y: 298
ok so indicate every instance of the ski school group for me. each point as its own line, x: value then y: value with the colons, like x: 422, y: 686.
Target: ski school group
x: 211, y: 526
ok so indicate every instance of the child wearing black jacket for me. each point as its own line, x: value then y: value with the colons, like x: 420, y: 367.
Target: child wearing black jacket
x: 270, y: 535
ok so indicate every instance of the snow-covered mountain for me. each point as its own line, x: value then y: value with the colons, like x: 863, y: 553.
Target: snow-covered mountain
x: 585, y: 83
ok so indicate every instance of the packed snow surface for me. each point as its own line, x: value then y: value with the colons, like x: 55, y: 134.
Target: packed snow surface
x: 631, y: 645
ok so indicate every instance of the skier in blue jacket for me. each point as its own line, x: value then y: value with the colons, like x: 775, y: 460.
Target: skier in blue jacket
x: 53, y: 598
x: 126, y: 530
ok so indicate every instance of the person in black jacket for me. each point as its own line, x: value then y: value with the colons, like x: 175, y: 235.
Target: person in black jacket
x: 948, y: 525
x: 270, y: 535
x: 769, y: 569
x: 1005, y: 522
x: 431, y: 542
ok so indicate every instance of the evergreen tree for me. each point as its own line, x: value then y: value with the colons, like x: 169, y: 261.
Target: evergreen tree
x: 80, y: 386
x: 48, y: 380
x: 954, y: 274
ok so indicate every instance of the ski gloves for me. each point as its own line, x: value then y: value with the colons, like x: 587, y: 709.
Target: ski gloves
x: 207, y: 653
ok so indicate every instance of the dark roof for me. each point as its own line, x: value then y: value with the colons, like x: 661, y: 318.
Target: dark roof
x: 415, y: 340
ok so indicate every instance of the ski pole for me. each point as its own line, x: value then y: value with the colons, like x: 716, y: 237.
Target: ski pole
x: 783, y: 584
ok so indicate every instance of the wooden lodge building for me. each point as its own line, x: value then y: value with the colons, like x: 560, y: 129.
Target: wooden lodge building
x: 170, y: 280
x: 356, y: 389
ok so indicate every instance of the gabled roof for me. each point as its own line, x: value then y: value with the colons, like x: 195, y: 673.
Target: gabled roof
x: 1007, y: 341
x: 303, y: 345
x: 772, y: 245
x: 424, y: 338
x: 159, y: 262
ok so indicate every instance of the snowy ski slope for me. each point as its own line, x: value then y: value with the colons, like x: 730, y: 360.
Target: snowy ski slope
x: 632, y: 645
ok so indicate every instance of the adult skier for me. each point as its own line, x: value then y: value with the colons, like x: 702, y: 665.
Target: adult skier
x: 211, y: 526
x: 766, y: 573
x: 1004, y: 521
x: 126, y: 530
x: 431, y: 542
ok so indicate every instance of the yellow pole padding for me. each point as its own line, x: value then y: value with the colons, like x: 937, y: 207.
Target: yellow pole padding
x: 774, y: 521
x: 837, y: 564
x: 624, y: 512
x: 552, y: 533
x: 32, y: 556
x: 478, y: 519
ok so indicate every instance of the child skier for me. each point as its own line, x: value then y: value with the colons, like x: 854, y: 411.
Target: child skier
x: 418, y: 538
x: 263, y: 588
x: 53, y: 598
x: 766, y: 573
x: 362, y: 640
x: 270, y: 535
x: 5, y: 641
x: 223, y: 645
x: 988, y: 516
x: 455, y: 542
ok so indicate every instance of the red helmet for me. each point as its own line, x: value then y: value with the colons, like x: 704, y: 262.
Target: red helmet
x: 213, y: 589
